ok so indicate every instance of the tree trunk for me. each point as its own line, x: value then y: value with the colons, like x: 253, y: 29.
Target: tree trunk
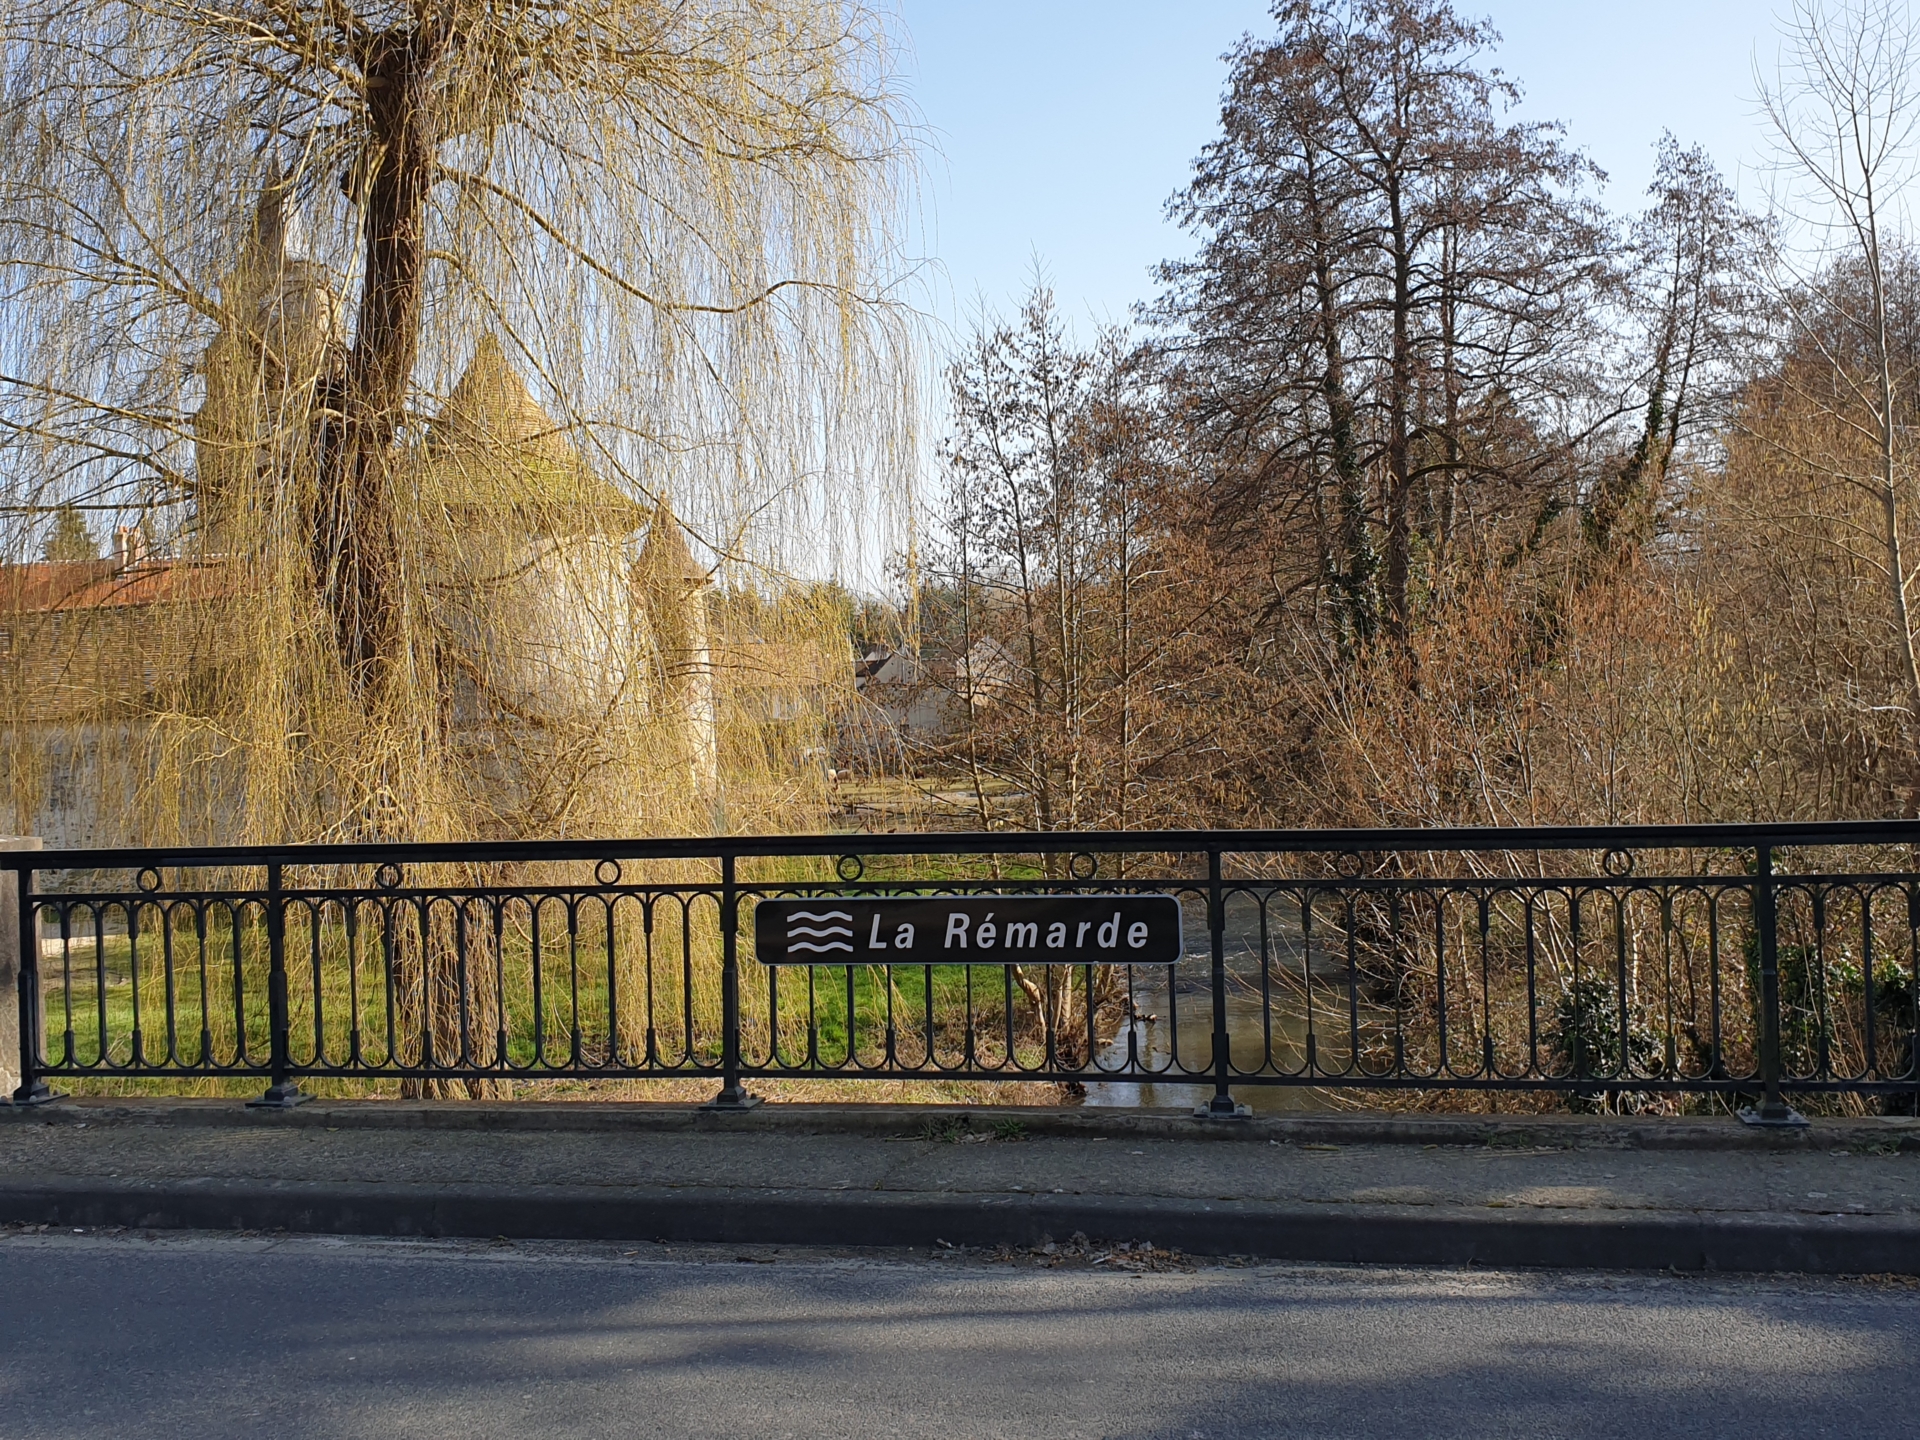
x: 449, y: 1008
x: 1399, y: 557
x: 355, y: 535
x: 1360, y: 562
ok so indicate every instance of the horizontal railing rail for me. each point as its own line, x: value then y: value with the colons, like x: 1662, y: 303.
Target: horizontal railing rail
x: 1611, y: 965
x: 1439, y: 840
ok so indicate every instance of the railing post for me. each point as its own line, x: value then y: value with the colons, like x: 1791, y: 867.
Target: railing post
x: 1222, y: 1106
x: 1773, y: 1109
x: 282, y: 1093
x: 733, y: 1095
x: 30, y: 1089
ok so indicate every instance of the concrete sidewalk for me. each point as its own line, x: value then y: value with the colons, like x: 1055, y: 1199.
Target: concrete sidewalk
x: 1839, y: 1197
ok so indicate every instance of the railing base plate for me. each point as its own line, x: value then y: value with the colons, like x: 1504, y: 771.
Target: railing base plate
x: 1786, y: 1118
x: 37, y: 1093
x: 1238, y: 1112
x: 740, y: 1099
x: 280, y: 1097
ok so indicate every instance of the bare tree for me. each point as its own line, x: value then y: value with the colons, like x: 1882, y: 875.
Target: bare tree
x: 1844, y: 109
x: 1390, y: 281
x: 1691, y: 258
x: 1048, y: 589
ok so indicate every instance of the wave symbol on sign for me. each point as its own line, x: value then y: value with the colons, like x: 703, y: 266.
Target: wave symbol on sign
x: 827, y: 929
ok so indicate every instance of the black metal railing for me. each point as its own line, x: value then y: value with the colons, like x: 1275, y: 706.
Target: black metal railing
x: 1749, y: 962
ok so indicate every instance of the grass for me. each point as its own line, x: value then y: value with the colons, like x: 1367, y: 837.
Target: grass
x: 605, y: 993
x: 953, y: 1129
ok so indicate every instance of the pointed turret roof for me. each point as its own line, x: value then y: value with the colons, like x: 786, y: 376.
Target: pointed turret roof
x: 665, y: 558
x: 493, y: 447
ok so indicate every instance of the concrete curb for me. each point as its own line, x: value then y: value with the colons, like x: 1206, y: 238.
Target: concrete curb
x: 1376, y: 1128
x: 1352, y: 1234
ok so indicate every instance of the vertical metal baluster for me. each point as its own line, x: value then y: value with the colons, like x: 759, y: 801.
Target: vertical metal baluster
x: 1533, y: 983
x: 893, y: 1046
x: 1092, y: 1036
x: 1671, y: 1067
x: 1012, y: 1055
x: 32, y: 1090
x: 316, y: 913
x: 969, y: 1053
x: 172, y: 985
x: 136, y: 1049
x: 463, y: 982
x: 849, y: 1059
x: 813, y: 1016
x: 1578, y: 1057
x: 1773, y: 1108
x: 392, y: 988
x: 1488, y: 1065
x: 1823, y: 1012
x: 926, y: 980
x: 1395, y: 941
x: 497, y: 910
x: 282, y: 1093
x: 422, y: 908
x: 1311, y: 1060
x: 646, y: 933
x: 687, y: 1055
x: 102, y: 1054
x: 1911, y: 1073
x: 1620, y: 984
x: 350, y: 922
x: 1353, y: 986
x: 1050, y: 1022
x: 535, y: 950
x: 1266, y: 986
x: 1870, y: 1058
x: 1222, y: 1106
x: 615, y: 1058
x: 733, y: 1095
x: 573, y: 979
x: 776, y: 1054
x: 206, y: 992
x: 1306, y: 972
x: 1174, y: 1065
x: 242, y: 1055
x: 1717, y: 1069
x: 69, y: 1045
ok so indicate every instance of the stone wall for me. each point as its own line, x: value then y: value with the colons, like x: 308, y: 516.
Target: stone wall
x: 10, y: 969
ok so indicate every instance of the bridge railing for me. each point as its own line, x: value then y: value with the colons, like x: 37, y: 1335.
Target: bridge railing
x: 1608, y: 965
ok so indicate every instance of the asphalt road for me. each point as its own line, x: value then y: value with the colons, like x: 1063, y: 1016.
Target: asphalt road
x: 209, y: 1337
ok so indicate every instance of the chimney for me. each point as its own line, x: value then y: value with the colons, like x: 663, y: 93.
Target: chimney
x: 129, y: 547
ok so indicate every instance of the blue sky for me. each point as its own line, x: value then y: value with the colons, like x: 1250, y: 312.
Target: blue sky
x: 1062, y: 126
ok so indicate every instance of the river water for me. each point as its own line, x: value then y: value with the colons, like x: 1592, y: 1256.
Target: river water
x: 1175, y: 1028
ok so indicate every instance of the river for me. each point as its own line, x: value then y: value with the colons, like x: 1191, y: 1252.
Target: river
x: 1175, y: 1029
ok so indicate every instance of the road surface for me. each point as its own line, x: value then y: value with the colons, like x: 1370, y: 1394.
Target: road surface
x: 215, y: 1336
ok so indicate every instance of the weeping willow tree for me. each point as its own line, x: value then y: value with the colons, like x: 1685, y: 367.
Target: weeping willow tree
x: 403, y: 326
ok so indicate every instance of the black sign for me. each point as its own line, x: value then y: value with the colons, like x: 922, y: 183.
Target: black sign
x: 970, y: 930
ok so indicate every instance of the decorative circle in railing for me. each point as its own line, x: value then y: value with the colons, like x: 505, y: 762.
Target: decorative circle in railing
x: 1349, y: 865
x: 1617, y: 863
x: 1083, y: 866
x: 607, y: 872
x: 389, y: 876
x: 148, y: 880
x: 850, y: 867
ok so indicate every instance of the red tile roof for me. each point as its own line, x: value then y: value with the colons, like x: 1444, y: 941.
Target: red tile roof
x: 100, y: 584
